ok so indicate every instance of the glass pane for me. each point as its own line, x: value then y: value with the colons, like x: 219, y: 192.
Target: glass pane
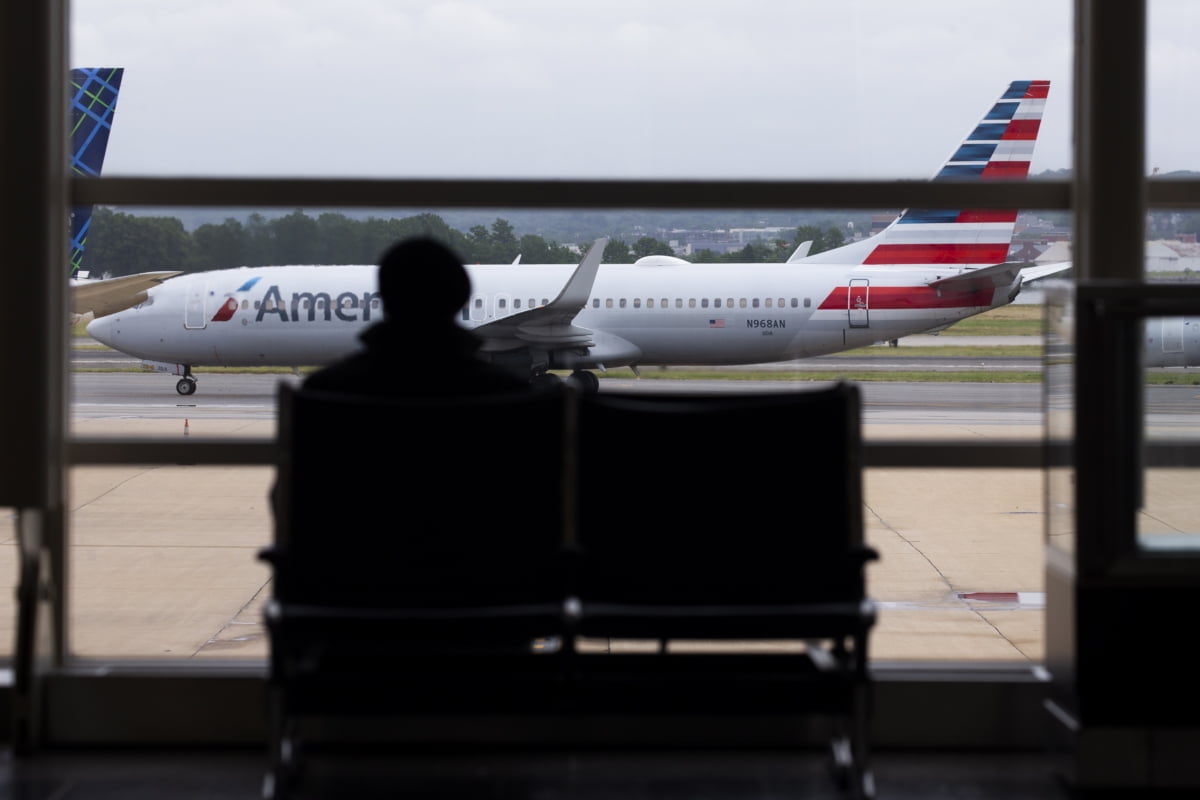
x: 978, y: 379
x: 544, y: 89
x: 1060, y: 414
x: 1171, y: 94
x: 1171, y: 359
x: 1167, y: 519
x: 163, y: 562
x: 801, y: 333
x: 533, y: 90
x: 1170, y: 504
x: 960, y: 575
x: 8, y: 581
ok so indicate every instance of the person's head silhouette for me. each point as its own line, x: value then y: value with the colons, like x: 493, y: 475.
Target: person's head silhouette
x: 428, y: 275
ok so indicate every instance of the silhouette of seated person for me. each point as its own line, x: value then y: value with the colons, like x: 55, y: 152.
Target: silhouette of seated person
x: 418, y: 352
x: 419, y: 349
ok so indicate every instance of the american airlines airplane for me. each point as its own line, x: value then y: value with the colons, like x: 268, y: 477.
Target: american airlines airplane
x: 926, y: 271
x: 93, y: 98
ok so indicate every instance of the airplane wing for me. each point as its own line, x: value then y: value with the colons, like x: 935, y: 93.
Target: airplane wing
x: 106, y: 296
x: 550, y: 325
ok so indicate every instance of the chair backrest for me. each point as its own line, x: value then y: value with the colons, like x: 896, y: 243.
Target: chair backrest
x: 726, y: 499
x: 449, y: 501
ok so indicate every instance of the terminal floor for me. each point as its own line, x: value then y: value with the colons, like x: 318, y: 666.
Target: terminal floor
x: 237, y: 775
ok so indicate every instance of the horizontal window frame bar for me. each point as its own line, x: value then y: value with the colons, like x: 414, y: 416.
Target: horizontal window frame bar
x: 881, y: 454
x: 465, y: 193
x: 500, y: 193
x: 101, y: 451
x: 95, y: 451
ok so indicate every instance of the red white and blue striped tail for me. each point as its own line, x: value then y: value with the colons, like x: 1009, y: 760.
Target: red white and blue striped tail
x: 999, y: 148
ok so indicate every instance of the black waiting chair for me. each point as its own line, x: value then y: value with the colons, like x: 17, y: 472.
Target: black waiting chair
x: 437, y: 557
x: 416, y: 561
x: 730, y: 518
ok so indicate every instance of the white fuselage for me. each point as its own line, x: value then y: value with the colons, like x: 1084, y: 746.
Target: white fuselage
x: 636, y: 314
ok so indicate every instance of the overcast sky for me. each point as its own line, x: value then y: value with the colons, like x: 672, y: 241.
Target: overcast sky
x: 608, y: 88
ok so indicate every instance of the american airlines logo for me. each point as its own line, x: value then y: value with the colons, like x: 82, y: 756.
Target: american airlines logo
x: 307, y: 306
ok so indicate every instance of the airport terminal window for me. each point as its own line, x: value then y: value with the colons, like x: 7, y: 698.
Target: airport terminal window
x: 1167, y: 520
x: 885, y: 487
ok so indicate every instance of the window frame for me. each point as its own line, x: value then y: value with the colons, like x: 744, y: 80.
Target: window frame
x: 36, y: 33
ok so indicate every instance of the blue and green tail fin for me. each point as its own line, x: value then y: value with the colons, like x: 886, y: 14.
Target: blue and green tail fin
x: 93, y: 98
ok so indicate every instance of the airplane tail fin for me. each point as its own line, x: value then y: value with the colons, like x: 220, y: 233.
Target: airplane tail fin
x: 93, y: 94
x: 998, y: 148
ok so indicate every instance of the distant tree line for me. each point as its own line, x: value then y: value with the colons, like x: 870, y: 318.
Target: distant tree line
x: 122, y: 244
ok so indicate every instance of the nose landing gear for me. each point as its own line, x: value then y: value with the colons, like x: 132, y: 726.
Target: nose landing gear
x: 187, y: 384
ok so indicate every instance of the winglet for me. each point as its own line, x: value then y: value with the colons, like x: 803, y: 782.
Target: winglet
x: 553, y: 322
x: 1039, y: 271
x: 801, y: 252
x: 575, y: 294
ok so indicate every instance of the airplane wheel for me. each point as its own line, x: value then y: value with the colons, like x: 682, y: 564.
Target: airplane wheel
x: 186, y: 386
x: 545, y: 379
x: 588, y: 382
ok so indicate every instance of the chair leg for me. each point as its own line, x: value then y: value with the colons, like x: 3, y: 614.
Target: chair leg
x: 850, y: 755
x: 862, y: 776
x: 841, y: 754
x: 281, y: 774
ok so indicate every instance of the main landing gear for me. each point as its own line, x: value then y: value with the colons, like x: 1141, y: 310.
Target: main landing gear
x: 187, y: 384
x: 587, y: 382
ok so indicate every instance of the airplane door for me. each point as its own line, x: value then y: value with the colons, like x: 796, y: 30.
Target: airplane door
x: 858, y: 303
x: 1172, y: 334
x: 193, y: 313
